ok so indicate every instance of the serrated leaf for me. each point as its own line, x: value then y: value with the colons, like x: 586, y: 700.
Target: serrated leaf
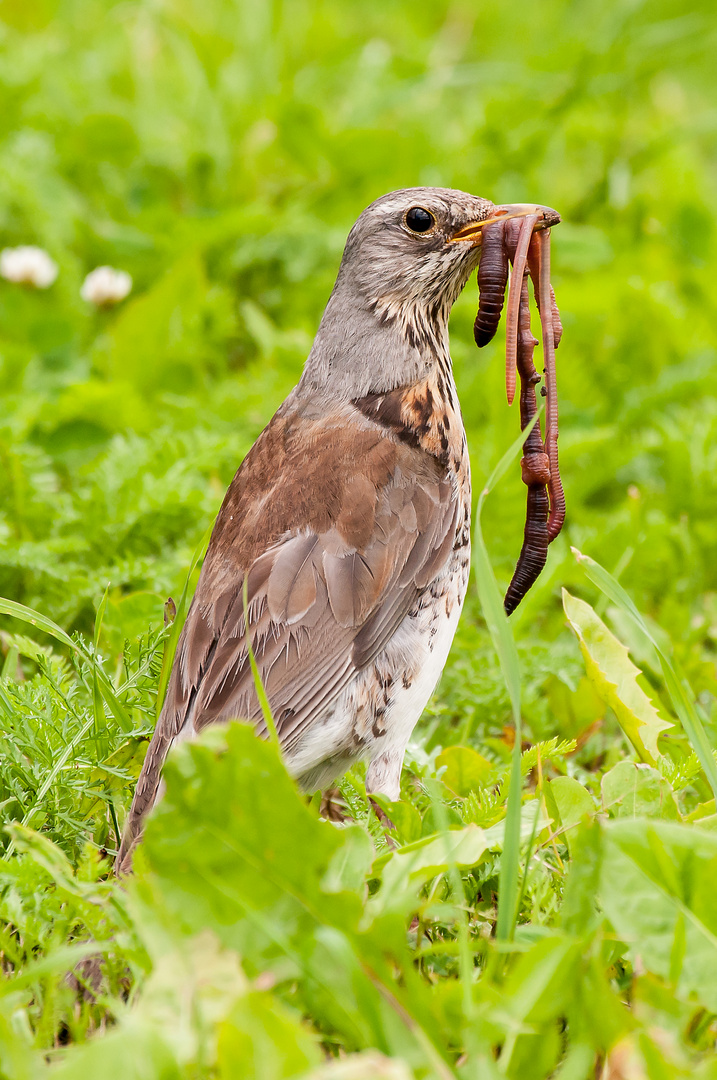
x: 681, y: 693
x: 614, y: 676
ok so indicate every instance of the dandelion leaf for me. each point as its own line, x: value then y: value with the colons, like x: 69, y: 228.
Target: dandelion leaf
x: 614, y: 676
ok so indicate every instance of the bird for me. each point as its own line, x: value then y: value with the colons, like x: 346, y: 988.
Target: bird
x: 343, y: 540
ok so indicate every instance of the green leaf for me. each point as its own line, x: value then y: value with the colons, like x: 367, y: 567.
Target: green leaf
x: 614, y: 676
x: 270, y: 1042
x: 405, y: 871
x: 280, y: 887
x: 633, y: 790
x: 143, y: 343
x: 465, y: 769
x: 538, y: 989
x: 658, y: 884
x: 579, y: 913
x: 569, y: 803
x: 404, y: 817
x: 679, y: 690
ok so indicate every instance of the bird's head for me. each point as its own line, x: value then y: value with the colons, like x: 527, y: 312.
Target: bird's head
x: 411, y: 252
x: 406, y: 260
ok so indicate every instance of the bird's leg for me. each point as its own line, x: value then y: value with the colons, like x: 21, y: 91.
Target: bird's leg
x: 539, y: 264
x: 492, y: 279
x: 535, y: 466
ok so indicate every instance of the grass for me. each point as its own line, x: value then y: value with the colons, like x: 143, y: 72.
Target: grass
x: 547, y: 910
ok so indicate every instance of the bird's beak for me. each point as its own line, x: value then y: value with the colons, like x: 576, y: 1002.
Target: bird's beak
x: 473, y: 231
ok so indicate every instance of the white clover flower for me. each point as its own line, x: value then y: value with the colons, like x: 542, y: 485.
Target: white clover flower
x: 105, y: 286
x: 28, y: 265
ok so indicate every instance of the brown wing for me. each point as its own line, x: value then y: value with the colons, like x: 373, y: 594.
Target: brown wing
x: 338, y: 528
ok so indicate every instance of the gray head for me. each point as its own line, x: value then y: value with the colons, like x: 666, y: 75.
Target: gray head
x: 406, y: 261
x: 401, y: 272
x: 401, y: 256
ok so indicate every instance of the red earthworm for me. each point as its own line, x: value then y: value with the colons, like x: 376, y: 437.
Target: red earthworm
x: 534, y: 466
x: 492, y: 279
x: 517, y: 241
x: 554, y: 314
x: 557, y: 325
x: 518, y: 258
x: 539, y: 262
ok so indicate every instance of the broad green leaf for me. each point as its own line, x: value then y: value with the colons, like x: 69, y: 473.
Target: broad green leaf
x: 614, y: 676
x: 268, y: 1041
x: 636, y: 790
x: 678, y: 688
x: 495, y: 834
x: 465, y: 769
x: 233, y: 847
x: 409, y: 868
x: 404, y: 817
x: 537, y: 989
x: 569, y: 803
x: 351, y: 862
x: 658, y: 883
x: 146, y: 340
x: 235, y: 789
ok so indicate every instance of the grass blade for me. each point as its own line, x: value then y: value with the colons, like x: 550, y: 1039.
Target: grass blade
x: 97, y: 699
x: 41, y: 622
x: 170, y: 647
x: 504, y: 644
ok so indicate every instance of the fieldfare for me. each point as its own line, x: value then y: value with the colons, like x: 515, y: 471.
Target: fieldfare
x: 349, y: 520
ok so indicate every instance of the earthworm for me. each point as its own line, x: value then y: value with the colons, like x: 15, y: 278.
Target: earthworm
x: 557, y: 325
x: 539, y: 263
x: 518, y: 258
x: 554, y: 313
x: 517, y: 240
x: 492, y: 279
x: 534, y: 466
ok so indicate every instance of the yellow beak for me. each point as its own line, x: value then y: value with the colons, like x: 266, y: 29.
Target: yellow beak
x: 473, y: 230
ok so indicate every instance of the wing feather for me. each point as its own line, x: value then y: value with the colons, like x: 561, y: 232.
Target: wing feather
x: 334, y: 558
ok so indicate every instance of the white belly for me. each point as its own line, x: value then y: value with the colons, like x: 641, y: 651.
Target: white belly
x: 374, y: 716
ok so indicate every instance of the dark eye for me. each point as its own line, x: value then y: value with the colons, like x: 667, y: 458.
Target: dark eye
x: 419, y: 220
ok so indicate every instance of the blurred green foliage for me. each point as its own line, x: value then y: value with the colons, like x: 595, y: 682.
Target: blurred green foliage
x: 219, y: 151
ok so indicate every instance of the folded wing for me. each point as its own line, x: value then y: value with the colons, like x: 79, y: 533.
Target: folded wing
x: 347, y: 550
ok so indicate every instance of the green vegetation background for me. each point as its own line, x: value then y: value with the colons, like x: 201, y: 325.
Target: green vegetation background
x: 220, y: 151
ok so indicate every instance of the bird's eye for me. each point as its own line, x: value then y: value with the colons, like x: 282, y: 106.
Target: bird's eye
x: 419, y: 220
